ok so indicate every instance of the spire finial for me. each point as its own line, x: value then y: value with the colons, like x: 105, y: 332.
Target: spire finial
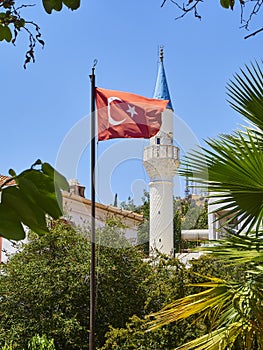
x: 161, y: 91
x: 161, y: 53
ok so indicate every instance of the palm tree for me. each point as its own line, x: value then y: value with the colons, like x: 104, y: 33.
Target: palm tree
x: 232, y: 171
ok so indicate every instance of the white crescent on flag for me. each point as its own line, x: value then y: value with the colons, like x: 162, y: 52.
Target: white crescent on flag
x: 111, y: 120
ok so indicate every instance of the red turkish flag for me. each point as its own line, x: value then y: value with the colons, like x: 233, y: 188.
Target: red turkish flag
x: 125, y: 115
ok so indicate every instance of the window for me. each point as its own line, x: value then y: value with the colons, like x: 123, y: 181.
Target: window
x: 158, y: 140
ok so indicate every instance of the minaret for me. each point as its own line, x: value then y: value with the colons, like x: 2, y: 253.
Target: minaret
x: 161, y: 160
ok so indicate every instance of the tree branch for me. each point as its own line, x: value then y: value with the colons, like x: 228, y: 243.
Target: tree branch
x: 253, y: 8
x: 254, y: 33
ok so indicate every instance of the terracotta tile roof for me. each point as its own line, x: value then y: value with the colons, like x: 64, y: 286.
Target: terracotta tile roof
x: 4, y: 178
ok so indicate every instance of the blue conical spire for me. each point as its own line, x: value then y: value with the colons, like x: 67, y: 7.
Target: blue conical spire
x: 161, y: 91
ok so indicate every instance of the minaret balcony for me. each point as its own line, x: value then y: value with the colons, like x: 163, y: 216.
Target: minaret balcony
x: 161, y: 161
x: 161, y: 151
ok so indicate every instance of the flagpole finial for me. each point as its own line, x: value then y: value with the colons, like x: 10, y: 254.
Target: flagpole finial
x: 92, y: 75
x: 161, y: 54
x: 95, y: 63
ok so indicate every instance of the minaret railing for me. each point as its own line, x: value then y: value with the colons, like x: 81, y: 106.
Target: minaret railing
x: 161, y: 151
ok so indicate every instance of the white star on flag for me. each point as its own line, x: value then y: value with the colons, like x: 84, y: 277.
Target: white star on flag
x: 131, y: 110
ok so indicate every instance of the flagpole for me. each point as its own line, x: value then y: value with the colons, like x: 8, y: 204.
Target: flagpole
x: 92, y: 257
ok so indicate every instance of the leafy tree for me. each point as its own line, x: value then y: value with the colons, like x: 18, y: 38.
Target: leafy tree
x: 171, y: 280
x: 129, y: 205
x: 202, y: 220
x: 41, y: 288
x: 135, y: 336
x: 37, y: 342
x: 232, y: 170
x: 144, y: 209
x: 193, y: 216
x: 121, y: 272
x: 177, y: 231
x: 144, y: 228
x: 166, y: 280
x: 188, y: 215
x: 41, y: 343
x: 44, y: 289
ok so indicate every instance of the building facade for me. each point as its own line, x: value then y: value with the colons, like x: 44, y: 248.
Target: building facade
x: 77, y: 210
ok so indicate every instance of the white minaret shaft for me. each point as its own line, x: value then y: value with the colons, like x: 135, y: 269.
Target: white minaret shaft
x: 161, y: 160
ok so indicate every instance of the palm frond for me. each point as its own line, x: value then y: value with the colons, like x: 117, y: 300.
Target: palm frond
x: 221, y: 338
x: 215, y: 297
x: 239, y: 249
x: 233, y: 308
x: 231, y: 171
x: 246, y: 94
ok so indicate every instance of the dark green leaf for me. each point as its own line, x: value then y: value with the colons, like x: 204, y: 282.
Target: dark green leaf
x: 10, y: 225
x: 57, y: 5
x: 56, y: 177
x: 32, y: 184
x: 50, y: 5
x: 27, y: 211
x: 72, y: 4
x: 43, y: 187
x: 5, y: 33
x: 12, y: 172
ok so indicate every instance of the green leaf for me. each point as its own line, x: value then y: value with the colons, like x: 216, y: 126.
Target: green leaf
x: 50, y: 5
x: 5, y: 33
x: 37, y: 193
x: 3, y: 15
x: 57, y: 5
x: 12, y: 172
x: 34, y: 186
x: 225, y: 3
x: 27, y: 211
x: 37, y: 162
x: 47, y: 6
x: 72, y: 4
x: 58, y: 179
x: 10, y: 225
x: 43, y: 190
x: 8, y: 34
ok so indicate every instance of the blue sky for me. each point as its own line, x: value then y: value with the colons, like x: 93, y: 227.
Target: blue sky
x: 43, y: 104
